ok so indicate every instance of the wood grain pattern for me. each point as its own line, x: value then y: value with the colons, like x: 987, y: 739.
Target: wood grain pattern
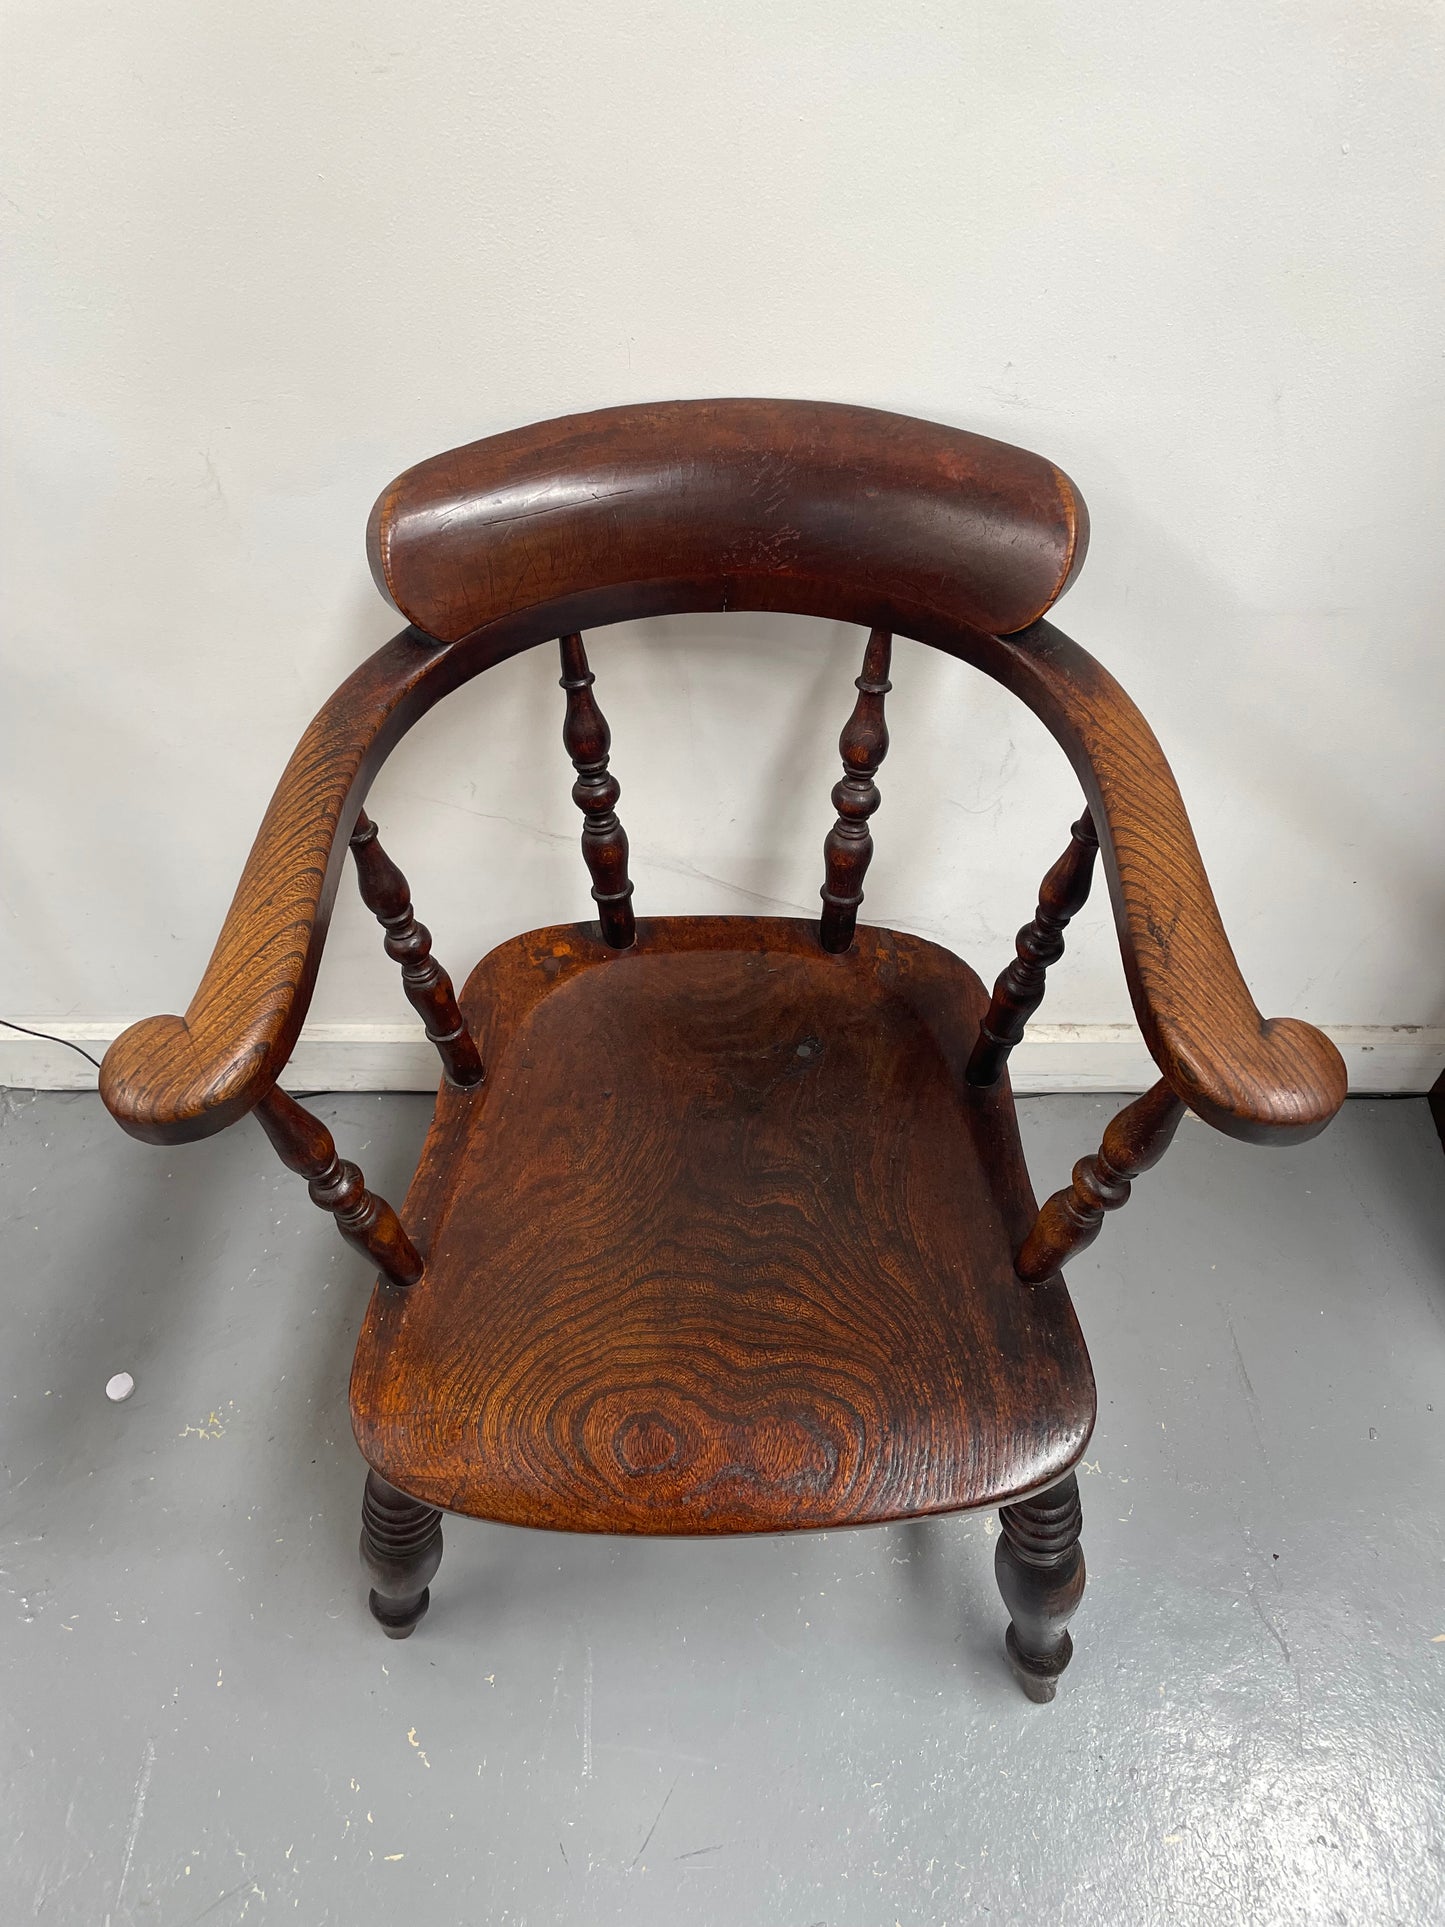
x: 727, y: 1241
x: 174, y: 1078
x: 387, y: 895
x: 848, y: 849
x: 1069, y: 1222
x: 1020, y: 989
x: 1265, y: 1080
x: 596, y: 792
x: 368, y: 1223
x: 771, y: 497
x: 724, y: 1244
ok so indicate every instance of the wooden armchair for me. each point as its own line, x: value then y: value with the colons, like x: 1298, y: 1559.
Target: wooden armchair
x: 722, y: 1224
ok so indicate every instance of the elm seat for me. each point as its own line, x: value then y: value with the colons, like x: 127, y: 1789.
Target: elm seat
x: 722, y: 1224
x: 739, y: 1237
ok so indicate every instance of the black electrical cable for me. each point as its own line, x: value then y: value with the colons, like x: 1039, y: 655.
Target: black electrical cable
x: 26, y: 1031
x: 45, y: 1034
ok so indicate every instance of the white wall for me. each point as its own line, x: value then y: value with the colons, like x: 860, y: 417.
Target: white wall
x: 263, y: 257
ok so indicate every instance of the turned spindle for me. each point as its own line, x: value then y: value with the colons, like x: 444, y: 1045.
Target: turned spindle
x: 1020, y: 989
x: 1069, y: 1222
x: 387, y: 895
x: 368, y: 1223
x: 1039, y: 1566
x: 401, y: 1548
x: 848, y: 848
x: 604, y: 841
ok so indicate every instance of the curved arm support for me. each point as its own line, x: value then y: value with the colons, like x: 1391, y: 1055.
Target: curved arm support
x: 171, y: 1079
x: 1264, y: 1079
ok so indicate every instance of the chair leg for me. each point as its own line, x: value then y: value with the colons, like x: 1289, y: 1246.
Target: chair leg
x: 401, y: 1547
x: 1039, y: 1565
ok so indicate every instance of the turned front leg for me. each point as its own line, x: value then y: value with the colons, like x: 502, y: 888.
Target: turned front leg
x: 401, y: 1547
x: 367, y: 1223
x: 1039, y: 1565
x: 1069, y: 1222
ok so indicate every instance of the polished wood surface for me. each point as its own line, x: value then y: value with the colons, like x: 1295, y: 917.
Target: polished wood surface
x: 726, y: 1240
x: 1039, y: 1566
x: 174, y: 1078
x: 768, y: 499
x: 401, y: 1549
x: 368, y: 1223
x: 596, y: 792
x: 1020, y: 989
x: 1069, y: 1222
x: 848, y: 848
x: 723, y: 1244
x: 386, y: 893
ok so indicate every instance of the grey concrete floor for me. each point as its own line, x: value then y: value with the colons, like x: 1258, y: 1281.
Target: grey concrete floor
x: 199, y: 1722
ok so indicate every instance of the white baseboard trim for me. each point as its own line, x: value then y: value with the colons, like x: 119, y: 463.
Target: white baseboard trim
x: 1052, y: 1057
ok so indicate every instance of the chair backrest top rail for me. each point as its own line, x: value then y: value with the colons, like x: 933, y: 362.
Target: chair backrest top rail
x: 751, y: 500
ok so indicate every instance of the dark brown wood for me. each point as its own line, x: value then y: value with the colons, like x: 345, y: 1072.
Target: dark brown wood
x: 1069, y: 1222
x: 906, y: 526
x: 596, y: 791
x: 724, y: 1244
x: 1039, y: 1565
x: 730, y: 1242
x: 848, y: 849
x: 772, y: 497
x: 401, y: 1548
x: 368, y: 1223
x: 1020, y: 990
x: 386, y: 893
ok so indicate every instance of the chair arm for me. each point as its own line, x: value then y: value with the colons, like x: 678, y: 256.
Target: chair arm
x: 1266, y: 1080
x: 172, y: 1079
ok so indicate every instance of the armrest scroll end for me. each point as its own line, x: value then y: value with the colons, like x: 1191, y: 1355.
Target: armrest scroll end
x: 156, y: 1086
x: 1285, y: 1093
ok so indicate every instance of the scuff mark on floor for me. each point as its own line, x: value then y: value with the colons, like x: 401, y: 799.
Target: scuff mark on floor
x: 137, y: 1814
x: 653, y: 1828
x: 587, y: 1716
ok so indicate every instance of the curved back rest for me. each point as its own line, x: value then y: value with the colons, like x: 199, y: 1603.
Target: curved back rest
x: 783, y: 505
x: 901, y: 526
x: 812, y: 507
